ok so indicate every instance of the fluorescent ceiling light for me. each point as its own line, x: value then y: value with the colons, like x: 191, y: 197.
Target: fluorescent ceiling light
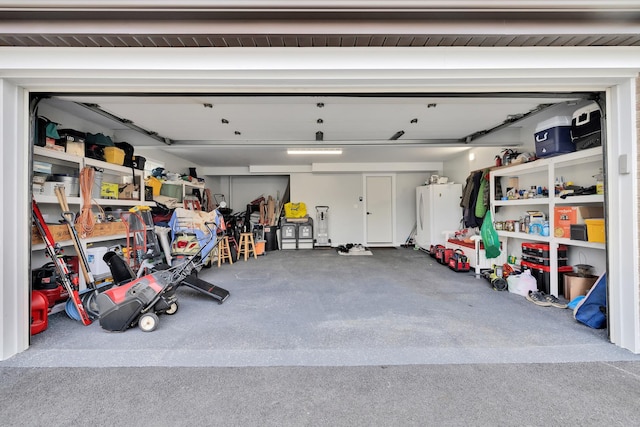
x: 314, y: 151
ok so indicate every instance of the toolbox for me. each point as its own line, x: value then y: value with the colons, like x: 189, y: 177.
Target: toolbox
x: 433, y: 250
x: 543, y: 275
x: 459, y: 261
x: 542, y: 250
x: 543, y: 261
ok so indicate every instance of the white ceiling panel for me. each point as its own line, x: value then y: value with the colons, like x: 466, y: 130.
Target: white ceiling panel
x: 244, y: 130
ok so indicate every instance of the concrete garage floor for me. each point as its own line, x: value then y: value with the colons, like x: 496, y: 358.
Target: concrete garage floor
x: 314, y: 338
x: 317, y: 308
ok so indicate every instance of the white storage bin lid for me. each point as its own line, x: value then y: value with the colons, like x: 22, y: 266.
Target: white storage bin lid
x: 553, y: 122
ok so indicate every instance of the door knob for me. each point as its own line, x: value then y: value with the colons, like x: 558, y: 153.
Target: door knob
x: 368, y: 213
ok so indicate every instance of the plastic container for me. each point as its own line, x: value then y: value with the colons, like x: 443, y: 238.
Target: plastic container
x: 595, y: 230
x: 260, y: 247
x: 542, y: 275
x: 172, y: 190
x: 96, y: 264
x: 553, y: 137
x: 114, y: 155
x: 155, y: 185
x: 97, y: 185
x: 71, y: 186
x: 39, y: 312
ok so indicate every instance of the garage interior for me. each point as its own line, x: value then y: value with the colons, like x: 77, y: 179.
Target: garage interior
x: 314, y: 307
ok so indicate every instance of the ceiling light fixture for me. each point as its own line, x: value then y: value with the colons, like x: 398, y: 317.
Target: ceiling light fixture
x: 237, y: 132
x: 319, y: 121
x: 320, y: 104
x: 225, y: 121
x: 397, y: 135
x: 314, y: 151
x: 319, y: 136
x: 414, y: 120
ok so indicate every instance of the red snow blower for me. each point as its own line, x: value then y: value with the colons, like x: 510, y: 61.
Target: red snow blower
x: 141, y: 300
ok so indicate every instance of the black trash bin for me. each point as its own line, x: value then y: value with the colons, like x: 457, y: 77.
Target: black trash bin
x: 271, y: 237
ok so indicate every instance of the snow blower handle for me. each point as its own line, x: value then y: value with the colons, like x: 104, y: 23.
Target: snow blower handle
x: 208, y: 224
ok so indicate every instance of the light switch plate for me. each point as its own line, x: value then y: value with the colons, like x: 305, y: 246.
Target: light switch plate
x: 623, y: 164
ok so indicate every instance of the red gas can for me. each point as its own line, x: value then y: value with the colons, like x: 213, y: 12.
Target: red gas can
x: 39, y: 312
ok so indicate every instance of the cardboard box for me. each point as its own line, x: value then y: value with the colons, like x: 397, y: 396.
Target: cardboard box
x: 563, y: 218
x: 51, y: 144
x: 575, y: 285
x: 128, y: 192
x: 588, y: 212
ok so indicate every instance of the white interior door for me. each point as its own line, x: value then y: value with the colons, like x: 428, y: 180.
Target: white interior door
x: 379, y: 210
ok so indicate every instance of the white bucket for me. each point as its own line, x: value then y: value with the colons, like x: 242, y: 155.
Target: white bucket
x: 96, y: 264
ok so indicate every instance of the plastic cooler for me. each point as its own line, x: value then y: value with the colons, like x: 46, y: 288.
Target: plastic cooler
x: 586, y: 127
x: 553, y: 137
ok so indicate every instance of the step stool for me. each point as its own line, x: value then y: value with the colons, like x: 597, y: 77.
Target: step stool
x: 246, y: 246
x: 224, y: 251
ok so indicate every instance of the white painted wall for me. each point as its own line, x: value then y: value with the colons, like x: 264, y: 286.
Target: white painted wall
x: 342, y: 192
x: 244, y: 189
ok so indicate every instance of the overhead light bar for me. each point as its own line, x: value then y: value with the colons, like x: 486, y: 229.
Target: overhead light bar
x: 314, y: 151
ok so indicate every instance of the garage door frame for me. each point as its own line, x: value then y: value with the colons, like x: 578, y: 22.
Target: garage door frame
x: 612, y: 69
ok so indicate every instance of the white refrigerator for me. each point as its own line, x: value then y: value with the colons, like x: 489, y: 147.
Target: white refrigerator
x: 437, y: 210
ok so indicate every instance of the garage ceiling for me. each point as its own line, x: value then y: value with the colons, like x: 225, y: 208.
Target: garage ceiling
x: 256, y: 130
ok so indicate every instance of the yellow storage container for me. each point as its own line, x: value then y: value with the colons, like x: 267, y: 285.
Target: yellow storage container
x: 155, y: 185
x: 595, y: 230
x: 114, y: 155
